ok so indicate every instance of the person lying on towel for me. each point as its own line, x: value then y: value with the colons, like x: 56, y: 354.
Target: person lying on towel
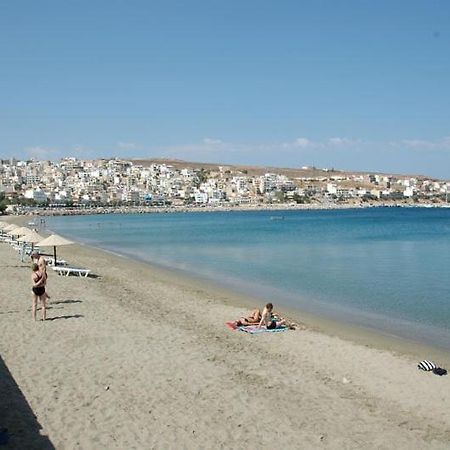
x: 252, y: 319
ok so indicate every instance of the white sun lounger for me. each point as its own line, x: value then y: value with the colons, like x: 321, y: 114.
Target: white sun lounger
x: 66, y: 271
x: 51, y: 261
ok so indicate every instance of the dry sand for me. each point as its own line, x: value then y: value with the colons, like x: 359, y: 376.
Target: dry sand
x: 139, y: 358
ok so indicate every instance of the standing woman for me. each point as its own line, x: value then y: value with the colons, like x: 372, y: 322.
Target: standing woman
x: 38, y: 280
x: 40, y: 261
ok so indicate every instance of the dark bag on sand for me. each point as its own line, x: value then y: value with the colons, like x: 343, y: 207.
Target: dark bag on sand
x: 439, y: 371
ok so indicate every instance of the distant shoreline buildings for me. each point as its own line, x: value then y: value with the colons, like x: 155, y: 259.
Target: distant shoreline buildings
x: 73, y: 183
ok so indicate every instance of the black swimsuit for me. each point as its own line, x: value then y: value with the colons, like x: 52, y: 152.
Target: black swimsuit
x: 38, y: 290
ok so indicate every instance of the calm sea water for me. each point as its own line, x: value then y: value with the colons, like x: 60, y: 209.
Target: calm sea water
x: 385, y: 268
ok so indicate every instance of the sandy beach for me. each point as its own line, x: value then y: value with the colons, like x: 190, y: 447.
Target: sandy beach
x: 140, y: 358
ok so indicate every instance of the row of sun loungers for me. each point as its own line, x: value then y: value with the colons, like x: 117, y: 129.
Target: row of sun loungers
x: 61, y: 267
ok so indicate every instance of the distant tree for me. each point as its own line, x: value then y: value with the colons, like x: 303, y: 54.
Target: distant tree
x: 201, y: 177
x: 26, y: 201
x: 280, y: 196
x: 297, y: 198
x: 3, y: 204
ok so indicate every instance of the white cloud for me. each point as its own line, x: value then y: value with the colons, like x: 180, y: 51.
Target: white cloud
x: 416, y: 143
x: 210, y: 141
x: 126, y: 145
x: 423, y: 144
x: 41, y: 153
x: 302, y: 142
x: 343, y: 141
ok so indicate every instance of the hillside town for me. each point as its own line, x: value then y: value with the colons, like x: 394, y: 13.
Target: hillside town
x: 73, y: 183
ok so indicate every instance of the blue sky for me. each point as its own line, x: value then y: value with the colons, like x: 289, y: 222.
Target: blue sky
x: 356, y: 84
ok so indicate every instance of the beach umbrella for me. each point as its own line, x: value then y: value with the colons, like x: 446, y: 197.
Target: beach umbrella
x: 10, y: 227
x: 19, y: 231
x: 54, y: 241
x: 32, y: 238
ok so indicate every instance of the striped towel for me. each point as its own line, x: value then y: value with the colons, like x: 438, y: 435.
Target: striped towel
x: 253, y: 329
x: 426, y: 365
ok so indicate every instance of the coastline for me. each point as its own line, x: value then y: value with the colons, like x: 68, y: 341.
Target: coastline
x: 127, y: 353
x: 322, y: 323
x: 92, y: 210
x: 406, y: 334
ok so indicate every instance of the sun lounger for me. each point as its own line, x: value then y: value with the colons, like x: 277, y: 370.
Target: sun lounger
x: 51, y: 261
x: 66, y: 271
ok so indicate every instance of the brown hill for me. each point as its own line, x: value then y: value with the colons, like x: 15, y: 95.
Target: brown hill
x: 291, y: 172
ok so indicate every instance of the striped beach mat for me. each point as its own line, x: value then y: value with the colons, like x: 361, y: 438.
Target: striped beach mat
x: 426, y: 365
x: 253, y: 329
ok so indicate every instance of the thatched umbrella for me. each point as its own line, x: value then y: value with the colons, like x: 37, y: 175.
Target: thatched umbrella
x: 10, y: 227
x: 54, y: 241
x: 19, y: 231
x: 32, y: 238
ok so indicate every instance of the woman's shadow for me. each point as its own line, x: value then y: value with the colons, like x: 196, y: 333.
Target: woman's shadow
x: 66, y: 316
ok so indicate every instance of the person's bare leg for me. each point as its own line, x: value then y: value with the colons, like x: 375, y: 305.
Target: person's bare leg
x: 255, y: 315
x: 44, y: 307
x: 33, y: 307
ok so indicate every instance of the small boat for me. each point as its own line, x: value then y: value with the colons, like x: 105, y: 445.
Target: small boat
x: 276, y: 217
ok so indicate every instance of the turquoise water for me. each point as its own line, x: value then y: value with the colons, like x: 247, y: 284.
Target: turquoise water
x: 385, y: 268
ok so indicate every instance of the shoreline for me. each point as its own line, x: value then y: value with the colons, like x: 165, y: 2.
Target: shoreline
x: 332, y: 326
x: 70, y: 211
x: 357, y: 334
x: 123, y: 357
x: 397, y: 334
x: 321, y: 322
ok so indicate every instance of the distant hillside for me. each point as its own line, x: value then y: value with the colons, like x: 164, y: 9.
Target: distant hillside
x: 309, y: 172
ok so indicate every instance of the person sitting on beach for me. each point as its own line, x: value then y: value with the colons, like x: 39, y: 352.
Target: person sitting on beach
x: 38, y: 279
x: 252, y: 319
x: 268, y: 320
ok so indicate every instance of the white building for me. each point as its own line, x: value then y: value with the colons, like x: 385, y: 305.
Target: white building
x: 38, y: 195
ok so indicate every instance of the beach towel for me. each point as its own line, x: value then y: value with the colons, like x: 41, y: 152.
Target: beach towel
x: 426, y: 365
x: 439, y: 371
x: 253, y: 329
x: 231, y: 325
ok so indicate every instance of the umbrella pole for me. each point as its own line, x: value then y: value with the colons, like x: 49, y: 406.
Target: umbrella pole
x: 54, y: 255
